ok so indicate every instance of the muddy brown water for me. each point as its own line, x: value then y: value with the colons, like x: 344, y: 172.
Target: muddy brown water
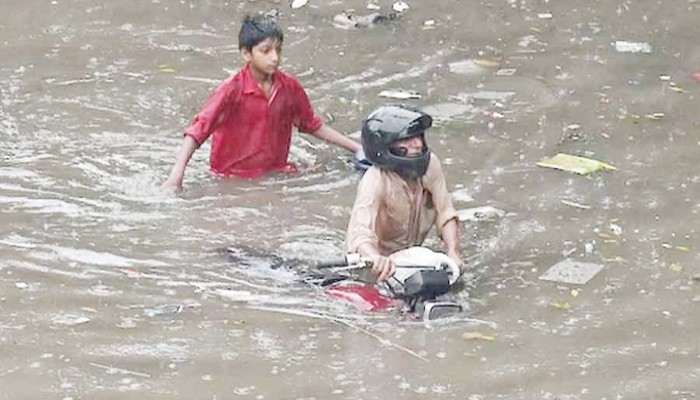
x: 110, y: 289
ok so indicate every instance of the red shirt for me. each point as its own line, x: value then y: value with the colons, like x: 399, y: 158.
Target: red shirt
x: 252, y: 132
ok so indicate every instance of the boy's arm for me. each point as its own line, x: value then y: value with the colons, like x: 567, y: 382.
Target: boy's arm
x: 330, y: 135
x: 177, y: 173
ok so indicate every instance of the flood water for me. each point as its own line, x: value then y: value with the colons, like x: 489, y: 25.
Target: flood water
x: 111, y: 289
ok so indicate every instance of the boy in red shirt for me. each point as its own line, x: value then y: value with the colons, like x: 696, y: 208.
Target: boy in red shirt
x: 251, y: 113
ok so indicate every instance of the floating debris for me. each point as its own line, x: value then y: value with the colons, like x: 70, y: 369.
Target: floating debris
x: 575, y: 164
x: 632, y: 47
x: 400, y: 6
x: 615, y: 229
x: 469, y: 67
x: 372, y: 6
x: 478, y: 214
x: 478, y: 336
x: 462, y: 195
x: 400, y: 94
x: 560, y: 305
x: 298, y: 3
x: 577, y: 205
x: 506, y: 72
x: 69, y: 319
x: 672, y: 86
x: 655, y: 116
x: 571, y: 272
x: 346, y: 20
x: 167, y: 69
x: 485, y: 95
x: 675, y: 267
x: 164, y: 310
x: 545, y: 15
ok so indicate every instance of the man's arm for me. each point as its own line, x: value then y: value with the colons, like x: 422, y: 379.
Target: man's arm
x: 447, y: 221
x: 177, y: 173
x: 361, y: 236
x: 450, y: 236
x: 330, y: 135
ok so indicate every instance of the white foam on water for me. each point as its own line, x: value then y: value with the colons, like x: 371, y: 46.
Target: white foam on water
x: 44, y: 206
x: 90, y: 257
x: 84, y: 275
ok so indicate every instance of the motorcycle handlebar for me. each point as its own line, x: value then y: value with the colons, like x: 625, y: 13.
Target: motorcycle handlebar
x: 339, y: 262
x: 352, y: 259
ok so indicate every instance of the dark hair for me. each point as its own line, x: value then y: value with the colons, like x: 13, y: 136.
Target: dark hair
x: 256, y: 29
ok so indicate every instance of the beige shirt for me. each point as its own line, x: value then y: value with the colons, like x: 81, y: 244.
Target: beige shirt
x: 393, y: 213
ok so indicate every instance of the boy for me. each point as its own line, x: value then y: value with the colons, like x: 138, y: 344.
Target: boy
x: 403, y: 194
x: 251, y: 113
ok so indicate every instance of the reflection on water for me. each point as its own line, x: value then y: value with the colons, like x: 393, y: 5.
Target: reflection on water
x: 110, y: 286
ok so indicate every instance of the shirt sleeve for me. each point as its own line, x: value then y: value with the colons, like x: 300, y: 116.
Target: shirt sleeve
x: 212, y: 113
x: 436, y: 184
x: 363, y: 220
x: 305, y: 119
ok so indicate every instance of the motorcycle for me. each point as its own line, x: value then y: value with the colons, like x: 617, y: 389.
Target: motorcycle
x: 418, y: 288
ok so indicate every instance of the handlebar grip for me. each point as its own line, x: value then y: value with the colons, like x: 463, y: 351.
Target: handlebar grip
x: 338, y: 262
x: 349, y: 260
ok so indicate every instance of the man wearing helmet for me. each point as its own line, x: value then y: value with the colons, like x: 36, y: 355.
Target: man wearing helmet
x: 403, y: 194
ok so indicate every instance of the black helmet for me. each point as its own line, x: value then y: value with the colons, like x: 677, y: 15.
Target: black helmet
x: 391, y: 123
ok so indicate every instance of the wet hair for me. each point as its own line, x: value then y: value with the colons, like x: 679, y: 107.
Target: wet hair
x: 257, y: 29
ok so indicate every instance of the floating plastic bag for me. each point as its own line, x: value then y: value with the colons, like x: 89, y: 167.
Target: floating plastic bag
x: 632, y: 47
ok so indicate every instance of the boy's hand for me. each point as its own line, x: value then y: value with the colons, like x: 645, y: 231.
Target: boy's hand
x: 172, y: 186
x: 382, y: 268
x: 360, y: 161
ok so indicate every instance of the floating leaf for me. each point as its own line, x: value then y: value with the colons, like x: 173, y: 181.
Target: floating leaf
x: 167, y: 69
x: 562, y: 305
x: 675, y: 267
x: 575, y: 164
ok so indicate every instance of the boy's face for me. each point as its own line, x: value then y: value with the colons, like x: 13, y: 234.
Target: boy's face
x: 265, y: 56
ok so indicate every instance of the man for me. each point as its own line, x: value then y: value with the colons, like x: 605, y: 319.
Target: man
x: 403, y: 194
